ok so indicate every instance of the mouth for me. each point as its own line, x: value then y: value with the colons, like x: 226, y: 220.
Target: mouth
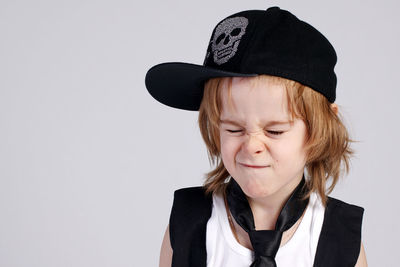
x: 255, y: 166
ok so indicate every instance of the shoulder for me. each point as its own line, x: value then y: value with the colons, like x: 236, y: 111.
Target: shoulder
x: 337, y: 202
x: 190, y: 204
x: 344, y: 213
x: 188, y: 191
x: 191, y: 197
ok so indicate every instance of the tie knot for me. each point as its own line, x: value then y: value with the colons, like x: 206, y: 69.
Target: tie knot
x: 265, y: 242
x: 262, y: 261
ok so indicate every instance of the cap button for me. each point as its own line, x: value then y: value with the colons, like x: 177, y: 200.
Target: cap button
x: 273, y: 8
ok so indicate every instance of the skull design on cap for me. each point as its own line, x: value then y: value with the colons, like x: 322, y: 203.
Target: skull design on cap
x: 227, y: 38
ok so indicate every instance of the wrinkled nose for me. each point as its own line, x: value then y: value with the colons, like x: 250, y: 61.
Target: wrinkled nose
x: 253, y: 143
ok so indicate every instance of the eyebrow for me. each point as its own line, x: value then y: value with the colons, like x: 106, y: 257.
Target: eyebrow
x: 270, y: 123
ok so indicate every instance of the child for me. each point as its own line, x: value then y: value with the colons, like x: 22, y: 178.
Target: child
x: 265, y: 95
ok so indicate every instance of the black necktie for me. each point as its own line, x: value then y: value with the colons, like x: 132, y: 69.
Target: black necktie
x: 265, y: 242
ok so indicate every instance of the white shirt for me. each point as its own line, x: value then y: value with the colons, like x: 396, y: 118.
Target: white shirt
x: 223, y: 249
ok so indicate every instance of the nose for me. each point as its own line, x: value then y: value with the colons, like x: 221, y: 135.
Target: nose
x: 253, y: 143
x: 227, y: 40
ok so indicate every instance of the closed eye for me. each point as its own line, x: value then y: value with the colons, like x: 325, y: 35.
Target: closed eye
x: 271, y: 132
x: 275, y: 132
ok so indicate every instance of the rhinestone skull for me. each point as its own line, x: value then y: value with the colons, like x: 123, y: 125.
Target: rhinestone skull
x: 227, y: 37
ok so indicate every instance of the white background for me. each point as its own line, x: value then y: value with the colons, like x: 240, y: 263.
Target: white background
x: 89, y: 161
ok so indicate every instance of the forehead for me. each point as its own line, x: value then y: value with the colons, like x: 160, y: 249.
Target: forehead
x: 258, y: 98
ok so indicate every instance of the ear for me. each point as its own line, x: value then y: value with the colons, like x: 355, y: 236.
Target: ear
x: 334, y: 108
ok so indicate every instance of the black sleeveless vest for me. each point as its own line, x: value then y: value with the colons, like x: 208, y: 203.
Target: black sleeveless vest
x: 338, y: 245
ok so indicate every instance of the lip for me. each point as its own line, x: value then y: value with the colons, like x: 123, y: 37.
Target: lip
x: 254, y: 166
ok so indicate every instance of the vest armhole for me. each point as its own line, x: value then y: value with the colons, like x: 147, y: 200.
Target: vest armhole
x: 340, y: 238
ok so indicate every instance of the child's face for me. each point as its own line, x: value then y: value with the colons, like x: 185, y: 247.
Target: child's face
x: 280, y: 158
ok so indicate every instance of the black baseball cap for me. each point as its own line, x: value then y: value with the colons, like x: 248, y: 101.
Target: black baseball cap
x: 247, y: 44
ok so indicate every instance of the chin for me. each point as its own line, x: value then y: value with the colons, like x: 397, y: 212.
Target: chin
x: 255, y: 190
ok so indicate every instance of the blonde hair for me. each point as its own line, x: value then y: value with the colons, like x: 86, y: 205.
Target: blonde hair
x: 327, y: 143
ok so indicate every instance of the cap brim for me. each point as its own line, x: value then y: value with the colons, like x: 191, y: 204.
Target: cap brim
x: 180, y: 85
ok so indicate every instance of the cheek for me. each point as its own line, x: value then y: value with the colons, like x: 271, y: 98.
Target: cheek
x: 287, y: 152
x: 228, y: 148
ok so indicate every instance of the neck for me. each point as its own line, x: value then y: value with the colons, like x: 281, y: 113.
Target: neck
x: 266, y: 210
